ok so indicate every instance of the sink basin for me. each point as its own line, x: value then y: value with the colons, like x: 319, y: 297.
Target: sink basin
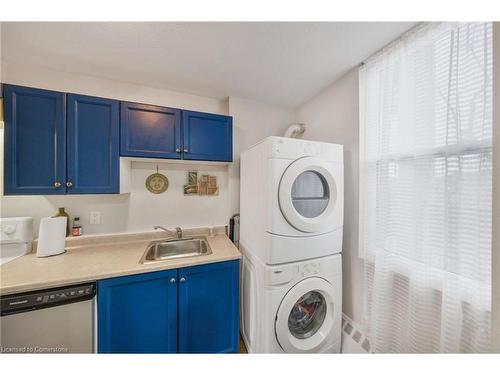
x: 175, y: 248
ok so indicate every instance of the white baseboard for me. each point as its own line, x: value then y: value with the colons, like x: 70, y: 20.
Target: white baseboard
x: 353, y: 338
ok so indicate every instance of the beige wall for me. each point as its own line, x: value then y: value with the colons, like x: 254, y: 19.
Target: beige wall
x: 496, y: 190
x: 140, y: 210
x: 332, y: 116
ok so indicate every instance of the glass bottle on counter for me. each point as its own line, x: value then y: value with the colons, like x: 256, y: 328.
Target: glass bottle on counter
x: 62, y: 213
x: 77, y: 228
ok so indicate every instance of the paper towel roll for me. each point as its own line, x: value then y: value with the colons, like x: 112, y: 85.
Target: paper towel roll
x: 51, y: 236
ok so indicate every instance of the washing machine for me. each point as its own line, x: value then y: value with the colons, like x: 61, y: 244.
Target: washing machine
x: 291, y: 199
x: 292, y: 308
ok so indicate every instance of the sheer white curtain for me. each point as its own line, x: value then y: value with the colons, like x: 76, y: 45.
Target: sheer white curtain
x: 426, y: 190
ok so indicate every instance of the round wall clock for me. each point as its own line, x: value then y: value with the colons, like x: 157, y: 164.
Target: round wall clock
x: 157, y: 183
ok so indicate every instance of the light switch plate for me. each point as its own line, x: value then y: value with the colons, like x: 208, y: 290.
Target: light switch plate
x: 95, y: 217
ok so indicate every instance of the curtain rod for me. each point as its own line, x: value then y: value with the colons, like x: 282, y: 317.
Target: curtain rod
x: 403, y: 36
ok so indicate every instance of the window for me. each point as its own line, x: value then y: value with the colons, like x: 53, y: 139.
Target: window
x: 426, y: 189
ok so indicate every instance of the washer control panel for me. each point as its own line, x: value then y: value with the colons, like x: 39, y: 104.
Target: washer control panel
x: 309, y: 269
x: 277, y: 275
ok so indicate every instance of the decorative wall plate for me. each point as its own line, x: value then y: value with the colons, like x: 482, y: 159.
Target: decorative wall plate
x: 157, y: 183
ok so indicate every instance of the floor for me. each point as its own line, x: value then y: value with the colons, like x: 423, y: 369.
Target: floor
x: 349, y: 345
x: 243, y: 348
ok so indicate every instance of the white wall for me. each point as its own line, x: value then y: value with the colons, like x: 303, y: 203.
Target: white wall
x: 332, y: 116
x: 41, y: 77
x: 252, y: 121
x: 496, y: 191
x: 140, y: 210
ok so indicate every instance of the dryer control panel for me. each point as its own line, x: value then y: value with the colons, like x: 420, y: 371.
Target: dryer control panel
x: 290, y: 148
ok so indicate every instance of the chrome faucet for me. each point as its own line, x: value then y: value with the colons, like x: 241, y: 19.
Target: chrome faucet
x: 178, y: 231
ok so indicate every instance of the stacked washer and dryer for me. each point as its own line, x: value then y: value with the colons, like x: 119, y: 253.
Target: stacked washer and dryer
x: 291, y: 207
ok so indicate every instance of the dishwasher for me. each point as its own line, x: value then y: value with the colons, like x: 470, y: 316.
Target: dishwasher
x: 57, y: 320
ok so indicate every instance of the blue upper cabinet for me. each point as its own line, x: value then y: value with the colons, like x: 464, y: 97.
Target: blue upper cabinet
x: 156, y: 132
x: 138, y: 314
x: 207, y: 136
x: 150, y: 131
x: 209, y: 308
x: 35, y: 139
x: 93, y: 154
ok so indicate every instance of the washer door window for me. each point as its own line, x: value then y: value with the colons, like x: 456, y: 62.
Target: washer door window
x: 305, y: 317
x: 307, y: 194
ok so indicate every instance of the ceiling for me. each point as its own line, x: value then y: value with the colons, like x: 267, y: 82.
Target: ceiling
x: 279, y: 63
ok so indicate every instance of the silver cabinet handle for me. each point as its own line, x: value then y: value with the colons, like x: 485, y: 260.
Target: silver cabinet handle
x: 173, y: 280
x: 177, y: 149
x: 69, y: 184
x: 182, y: 279
x: 186, y: 150
x: 57, y: 184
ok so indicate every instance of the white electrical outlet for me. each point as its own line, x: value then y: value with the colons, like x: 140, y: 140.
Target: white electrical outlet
x: 95, y: 217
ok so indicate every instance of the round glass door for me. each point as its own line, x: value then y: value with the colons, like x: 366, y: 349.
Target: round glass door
x: 310, y: 194
x: 307, y: 315
x: 307, y: 195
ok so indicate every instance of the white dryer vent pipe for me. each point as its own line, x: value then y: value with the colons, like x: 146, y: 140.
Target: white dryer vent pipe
x: 295, y: 131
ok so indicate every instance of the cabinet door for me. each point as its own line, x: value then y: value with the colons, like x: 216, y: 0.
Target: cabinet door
x: 207, y: 136
x: 35, y: 139
x: 138, y: 314
x: 209, y: 308
x: 93, y: 154
x: 150, y: 131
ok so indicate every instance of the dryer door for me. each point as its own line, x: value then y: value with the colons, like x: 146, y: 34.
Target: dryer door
x: 306, y: 316
x: 308, y: 195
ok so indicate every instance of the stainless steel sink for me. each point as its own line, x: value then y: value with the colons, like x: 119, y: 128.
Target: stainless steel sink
x: 175, y: 248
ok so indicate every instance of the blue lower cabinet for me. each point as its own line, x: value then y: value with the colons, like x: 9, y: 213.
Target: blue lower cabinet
x: 189, y: 310
x: 209, y: 308
x: 138, y: 314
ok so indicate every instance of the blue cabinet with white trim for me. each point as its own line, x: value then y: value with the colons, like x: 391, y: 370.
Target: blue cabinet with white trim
x: 187, y: 310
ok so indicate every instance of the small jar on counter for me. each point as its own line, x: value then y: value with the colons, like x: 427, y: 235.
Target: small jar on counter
x: 77, y: 228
